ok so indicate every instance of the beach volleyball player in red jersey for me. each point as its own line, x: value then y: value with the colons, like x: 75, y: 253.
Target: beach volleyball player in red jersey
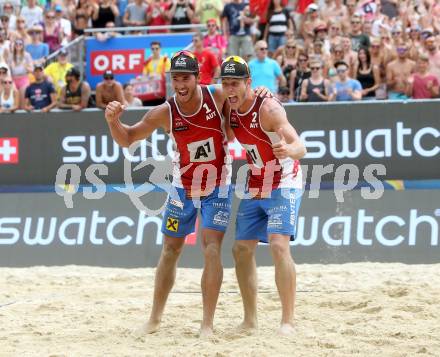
x: 268, y: 211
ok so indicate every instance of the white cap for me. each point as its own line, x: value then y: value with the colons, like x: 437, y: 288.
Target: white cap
x: 312, y: 7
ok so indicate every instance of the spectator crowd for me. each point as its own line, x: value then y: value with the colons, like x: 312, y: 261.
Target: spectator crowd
x: 304, y: 50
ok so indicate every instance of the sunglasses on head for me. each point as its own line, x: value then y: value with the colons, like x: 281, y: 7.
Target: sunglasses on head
x: 238, y: 59
x: 185, y: 53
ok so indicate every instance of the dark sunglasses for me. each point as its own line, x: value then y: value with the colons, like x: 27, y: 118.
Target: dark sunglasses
x: 155, y: 48
x: 212, y: 25
x: 7, y: 82
x: 50, y: 17
x: 302, y: 60
x: 263, y: 49
x: 5, y: 19
x: 3, y: 72
x: 291, y: 47
x: 315, y: 68
x: 108, y: 78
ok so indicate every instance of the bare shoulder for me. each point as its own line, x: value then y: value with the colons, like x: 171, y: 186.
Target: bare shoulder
x: 85, y: 86
x: 271, y: 108
x: 392, y: 64
x: 271, y: 114
x: 160, y: 115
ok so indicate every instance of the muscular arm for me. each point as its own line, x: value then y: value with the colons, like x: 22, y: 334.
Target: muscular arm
x: 62, y: 100
x: 85, y: 95
x: 391, y: 80
x: 125, y: 135
x: 273, y: 118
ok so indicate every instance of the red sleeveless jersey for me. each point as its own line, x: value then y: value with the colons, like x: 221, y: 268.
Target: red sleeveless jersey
x: 201, y: 155
x: 267, y: 170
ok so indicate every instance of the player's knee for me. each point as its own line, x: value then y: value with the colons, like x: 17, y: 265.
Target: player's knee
x: 241, y: 251
x: 212, y: 250
x: 172, y: 249
x: 280, y: 248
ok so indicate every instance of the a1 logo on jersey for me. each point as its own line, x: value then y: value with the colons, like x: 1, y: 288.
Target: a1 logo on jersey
x: 202, y: 151
x: 254, y: 122
x: 254, y: 155
x: 209, y: 113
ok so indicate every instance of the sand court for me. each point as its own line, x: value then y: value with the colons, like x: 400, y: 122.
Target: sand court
x: 356, y: 309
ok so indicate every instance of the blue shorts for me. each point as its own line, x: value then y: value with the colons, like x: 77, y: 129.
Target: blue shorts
x: 257, y: 218
x: 181, y: 212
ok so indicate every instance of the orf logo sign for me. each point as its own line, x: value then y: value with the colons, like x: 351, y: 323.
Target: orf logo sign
x: 8, y: 150
x: 118, y: 61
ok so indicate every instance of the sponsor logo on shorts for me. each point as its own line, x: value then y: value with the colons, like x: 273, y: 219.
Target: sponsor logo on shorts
x: 292, y: 208
x: 275, y: 221
x: 221, y: 205
x: 176, y: 203
x: 221, y: 218
x: 276, y: 209
x: 172, y: 224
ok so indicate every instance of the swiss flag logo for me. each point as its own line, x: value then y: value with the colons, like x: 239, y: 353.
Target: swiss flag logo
x: 236, y: 150
x: 8, y: 150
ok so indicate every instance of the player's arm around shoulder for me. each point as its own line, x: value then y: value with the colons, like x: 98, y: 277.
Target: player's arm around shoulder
x: 273, y: 118
x: 125, y: 135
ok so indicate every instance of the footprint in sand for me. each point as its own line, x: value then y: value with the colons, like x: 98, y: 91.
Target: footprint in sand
x: 397, y: 292
x: 372, y: 310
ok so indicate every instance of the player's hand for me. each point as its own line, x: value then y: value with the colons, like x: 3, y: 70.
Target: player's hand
x: 113, y: 111
x: 281, y: 148
x: 263, y: 92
